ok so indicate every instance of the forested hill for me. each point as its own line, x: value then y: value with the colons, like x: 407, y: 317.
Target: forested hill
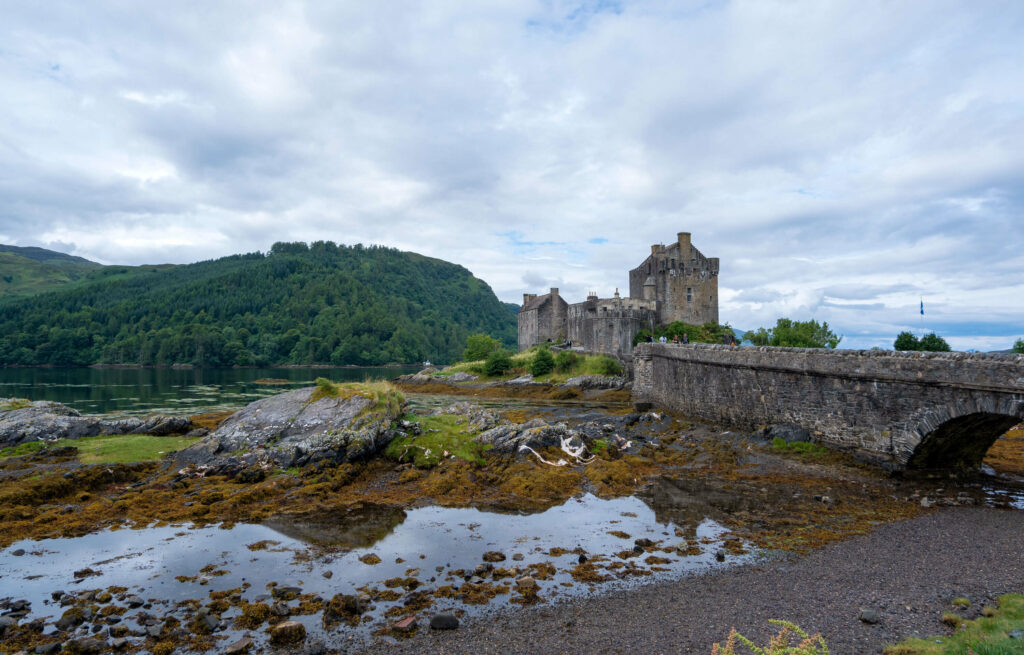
x: 298, y: 304
x: 28, y: 271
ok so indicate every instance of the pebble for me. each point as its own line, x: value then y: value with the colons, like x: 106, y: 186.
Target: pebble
x: 328, y: 574
x: 18, y: 553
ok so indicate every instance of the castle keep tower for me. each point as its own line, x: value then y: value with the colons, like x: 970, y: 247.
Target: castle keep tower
x: 684, y: 281
x: 675, y: 283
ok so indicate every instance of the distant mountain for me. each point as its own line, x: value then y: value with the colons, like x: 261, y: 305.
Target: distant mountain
x: 298, y: 304
x: 28, y: 271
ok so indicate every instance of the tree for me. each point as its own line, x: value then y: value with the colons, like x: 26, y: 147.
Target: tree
x: 934, y: 343
x: 498, y: 362
x: 543, y: 362
x: 795, y: 334
x: 906, y: 341
x: 479, y: 346
x: 1018, y: 347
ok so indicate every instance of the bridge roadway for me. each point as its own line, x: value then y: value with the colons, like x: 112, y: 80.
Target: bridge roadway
x: 897, y: 409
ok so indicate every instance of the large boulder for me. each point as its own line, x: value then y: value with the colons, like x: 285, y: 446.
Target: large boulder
x: 294, y: 429
x: 536, y: 434
x: 44, y: 420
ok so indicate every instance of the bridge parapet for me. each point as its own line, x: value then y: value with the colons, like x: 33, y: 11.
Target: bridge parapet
x: 898, y: 409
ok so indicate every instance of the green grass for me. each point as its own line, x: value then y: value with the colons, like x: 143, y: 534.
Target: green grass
x: 587, y: 365
x: 15, y: 403
x: 598, y: 446
x: 801, y: 448
x: 110, y: 449
x: 987, y: 635
x: 437, y: 434
x: 384, y: 395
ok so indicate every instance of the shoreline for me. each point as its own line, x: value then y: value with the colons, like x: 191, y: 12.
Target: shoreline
x: 907, y: 571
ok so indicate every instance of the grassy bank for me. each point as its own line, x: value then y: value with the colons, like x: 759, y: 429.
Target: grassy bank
x: 986, y: 635
x: 109, y: 449
x: 567, y: 365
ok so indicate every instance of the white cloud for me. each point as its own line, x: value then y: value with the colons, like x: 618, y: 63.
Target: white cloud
x: 841, y: 158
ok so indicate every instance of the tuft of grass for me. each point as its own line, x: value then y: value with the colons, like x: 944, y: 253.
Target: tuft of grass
x: 438, y: 434
x: 385, y: 396
x: 961, y: 602
x: 987, y: 635
x: 110, y: 449
x: 10, y: 404
x: 598, y: 446
x: 801, y: 448
x: 778, y: 645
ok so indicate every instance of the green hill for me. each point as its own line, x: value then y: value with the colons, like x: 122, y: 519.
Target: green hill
x: 28, y: 271
x: 298, y: 304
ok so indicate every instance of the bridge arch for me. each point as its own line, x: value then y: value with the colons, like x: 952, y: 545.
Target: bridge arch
x: 961, y: 442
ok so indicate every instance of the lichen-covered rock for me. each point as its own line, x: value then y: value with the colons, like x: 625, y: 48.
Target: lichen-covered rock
x: 44, y: 420
x: 294, y: 429
x: 480, y: 418
x: 596, y: 382
x: 287, y: 632
x: 535, y: 434
x: 462, y: 376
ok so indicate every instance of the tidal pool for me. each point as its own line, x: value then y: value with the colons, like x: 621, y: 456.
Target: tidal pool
x: 434, y: 546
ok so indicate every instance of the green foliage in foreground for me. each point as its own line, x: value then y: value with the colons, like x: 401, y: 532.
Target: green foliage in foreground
x: 497, y: 363
x: 706, y: 333
x: 795, y: 334
x: 479, y: 346
x: 543, y: 363
x: 438, y: 434
x: 778, y: 645
x: 802, y: 448
x: 928, y: 343
x: 1018, y: 346
x: 298, y: 304
x: 109, y: 449
x: 987, y: 635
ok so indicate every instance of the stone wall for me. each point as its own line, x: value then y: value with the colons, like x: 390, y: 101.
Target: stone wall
x: 609, y: 326
x: 542, y: 318
x: 686, y: 282
x: 897, y: 409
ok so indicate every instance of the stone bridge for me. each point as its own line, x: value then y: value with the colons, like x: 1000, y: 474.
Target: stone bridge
x: 897, y: 409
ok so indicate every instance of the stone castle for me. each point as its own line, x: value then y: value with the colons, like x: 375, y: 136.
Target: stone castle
x: 675, y: 283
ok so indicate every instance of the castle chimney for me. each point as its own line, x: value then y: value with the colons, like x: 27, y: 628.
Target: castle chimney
x: 616, y: 292
x: 526, y: 298
x: 554, y: 292
x: 684, y: 244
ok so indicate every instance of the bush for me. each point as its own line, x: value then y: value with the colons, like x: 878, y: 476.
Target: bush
x: 498, y: 362
x: 1018, y: 347
x: 566, y: 361
x: 795, y: 334
x: 606, y: 365
x: 778, y: 645
x: 543, y: 363
x: 934, y: 343
x: 906, y: 341
x: 479, y: 346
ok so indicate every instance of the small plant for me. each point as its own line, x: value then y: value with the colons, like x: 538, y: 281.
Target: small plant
x: 961, y: 602
x: 566, y: 361
x: 324, y: 389
x: 498, y: 362
x: 802, y: 448
x: 543, y: 363
x: 777, y: 645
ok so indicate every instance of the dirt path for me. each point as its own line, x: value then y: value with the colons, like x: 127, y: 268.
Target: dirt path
x: 907, y: 571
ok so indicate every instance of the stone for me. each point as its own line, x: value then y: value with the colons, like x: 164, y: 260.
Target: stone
x: 87, y: 645
x: 47, y: 649
x: 518, y: 557
x: 526, y: 583
x: 287, y: 632
x: 405, y: 625
x: 720, y: 555
x: 56, y: 595
x: 280, y: 609
x: 240, y: 646
x: 328, y: 574
x: 869, y: 616
x: 134, y: 601
x: 18, y: 552
x: 643, y: 543
x: 47, y: 420
x: 787, y: 432
x: 444, y: 622
x: 154, y: 631
x: 6, y: 623
x: 1015, y: 634
x: 462, y: 376
x: 493, y: 556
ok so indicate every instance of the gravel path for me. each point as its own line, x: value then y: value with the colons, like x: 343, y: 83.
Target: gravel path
x: 907, y: 571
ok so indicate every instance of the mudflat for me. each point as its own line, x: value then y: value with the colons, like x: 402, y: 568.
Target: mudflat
x: 907, y: 571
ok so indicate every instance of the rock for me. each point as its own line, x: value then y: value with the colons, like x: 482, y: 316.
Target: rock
x: 1015, y: 634
x: 251, y: 475
x: 518, y: 557
x: 493, y: 556
x: 342, y: 605
x: 288, y: 632
x: 444, y: 622
x: 720, y: 555
x: 280, y: 609
x: 293, y: 429
x: 408, y: 624
x: 48, y: 421
x: 47, y: 649
x: 315, y: 648
x: 18, y: 552
x: 87, y: 645
x: 154, y: 631
x: 868, y: 615
x: 57, y: 595
x: 522, y: 379
x: 6, y: 623
x: 240, y: 646
x: 480, y: 418
x: 536, y: 434
x: 328, y: 574
x: 134, y: 601
x: 582, y: 558
x: 787, y: 432
x: 596, y: 382
x: 526, y: 583
x: 286, y: 593
x: 462, y: 376
x: 119, y: 643
x: 643, y: 543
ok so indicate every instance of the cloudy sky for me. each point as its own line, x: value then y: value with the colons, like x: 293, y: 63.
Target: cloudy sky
x: 843, y: 159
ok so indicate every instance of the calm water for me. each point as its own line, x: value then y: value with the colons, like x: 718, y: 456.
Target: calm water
x: 173, y: 391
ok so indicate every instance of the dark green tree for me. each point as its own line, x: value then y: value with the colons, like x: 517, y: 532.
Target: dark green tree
x: 906, y: 341
x: 498, y: 363
x: 934, y: 343
x: 479, y: 346
x: 1018, y: 347
x: 565, y: 361
x: 795, y: 334
x: 543, y: 362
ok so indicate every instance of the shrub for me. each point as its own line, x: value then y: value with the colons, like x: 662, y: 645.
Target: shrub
x: 498, y: 362
x: 795, y: 334
x: 606, y: 365
x: 906, y: 341
x: 543, y: 363
x: 934, y: 343
x: 479, y: 346
x: 566, y: 361
x: 1018, y: 346
x: 778, y: 645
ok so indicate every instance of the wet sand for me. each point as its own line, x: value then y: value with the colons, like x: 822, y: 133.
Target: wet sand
x: 907, y: 571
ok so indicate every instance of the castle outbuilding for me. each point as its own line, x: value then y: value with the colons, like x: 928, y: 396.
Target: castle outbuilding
x: 675, y: 283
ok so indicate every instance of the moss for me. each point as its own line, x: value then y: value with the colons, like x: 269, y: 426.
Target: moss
x: 253, y: 615
x: 440, y: 436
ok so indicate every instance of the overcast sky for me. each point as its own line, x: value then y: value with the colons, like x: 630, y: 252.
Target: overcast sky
x: 843, y: 159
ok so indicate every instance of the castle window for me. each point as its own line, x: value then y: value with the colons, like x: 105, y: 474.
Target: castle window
x: 673, y: 263
x: 689, y: 294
